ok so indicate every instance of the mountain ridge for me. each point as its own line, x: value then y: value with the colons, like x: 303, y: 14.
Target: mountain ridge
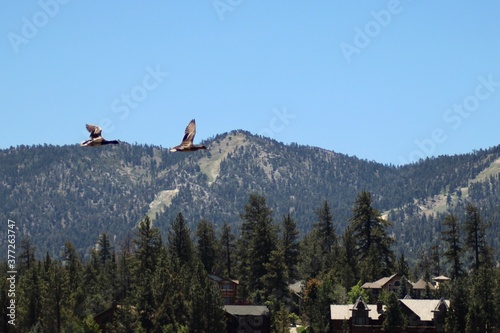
x: 68, y: 193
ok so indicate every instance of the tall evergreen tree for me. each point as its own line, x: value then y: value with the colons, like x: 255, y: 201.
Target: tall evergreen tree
x: 456, y: 317
x: 207, y: 246
x: 148, y: 242
x: 402, y: 266
x: 275, y: 281
x: 149, y: 245
x: 30, y: 297
x: 348, y: 265
x: 290, y: 243
x: 370, y: 268
x: 483, y: 312
x: 180, y: 244
x: 171, y: 293
x: 103, y: 275
x: 227, y: 250
x: 73, y: 265
x: 258, y: 240
x: 475, y: 239
x: 112, y: 277
x: 56, y: 307
x: 310, y: 265
x: 372, y: 241
x: 453, y: 252
x: 162, y: 280
x: 179, y: 293
x: 206, y: 306
x: 104, y: 248
x: 124, y: 268
x: 435, y: 257
x: 26, y: 255
x: 326, y: 229
x: 395, y: 320
x: 92, y: 288
x: 403, y: 289
x: 326, y: 239
x: 74, y: 268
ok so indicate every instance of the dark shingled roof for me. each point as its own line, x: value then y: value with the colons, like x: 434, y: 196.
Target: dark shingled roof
x: 247, y: 310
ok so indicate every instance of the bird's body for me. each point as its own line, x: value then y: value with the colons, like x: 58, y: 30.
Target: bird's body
x: 187, y: 142
x: 95, y: 138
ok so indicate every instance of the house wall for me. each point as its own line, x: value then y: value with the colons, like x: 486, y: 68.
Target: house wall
x: 337, y: 327
x: 393, y: 284
x: 251, y: 324
x: 228, y: 290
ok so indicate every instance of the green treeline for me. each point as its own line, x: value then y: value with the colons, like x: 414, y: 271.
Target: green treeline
x: 158, y: 287
x: 161, y: 283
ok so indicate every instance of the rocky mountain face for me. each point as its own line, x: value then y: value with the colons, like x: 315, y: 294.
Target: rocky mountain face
x: 69, y: 193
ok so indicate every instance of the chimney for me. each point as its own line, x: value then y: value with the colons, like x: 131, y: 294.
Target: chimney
x: 379, y: 306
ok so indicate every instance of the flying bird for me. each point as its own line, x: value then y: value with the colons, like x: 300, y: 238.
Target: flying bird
x: 187, y: 141
x: 95, y: 138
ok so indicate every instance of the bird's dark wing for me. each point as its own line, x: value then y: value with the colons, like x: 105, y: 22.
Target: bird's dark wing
x: 95, y: 131
x: 189, y: 133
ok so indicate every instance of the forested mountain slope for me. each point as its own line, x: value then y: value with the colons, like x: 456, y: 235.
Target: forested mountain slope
x: 69, y: 193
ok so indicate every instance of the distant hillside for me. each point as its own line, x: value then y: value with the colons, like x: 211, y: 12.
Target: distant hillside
x: 57, y: 194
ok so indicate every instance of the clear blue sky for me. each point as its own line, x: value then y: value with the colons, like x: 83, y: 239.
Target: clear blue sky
x: 390, y: 81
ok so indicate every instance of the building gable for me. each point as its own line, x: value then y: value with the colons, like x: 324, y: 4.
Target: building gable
x: 361, y: 316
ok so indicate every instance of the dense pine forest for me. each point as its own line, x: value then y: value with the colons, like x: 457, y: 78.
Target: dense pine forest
x: 161, y: 284
x: 138, y: 228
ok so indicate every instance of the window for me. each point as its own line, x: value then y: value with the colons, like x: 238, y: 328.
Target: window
x: 257, y: 320
x: 227, y: 286
x: 360, y: 317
